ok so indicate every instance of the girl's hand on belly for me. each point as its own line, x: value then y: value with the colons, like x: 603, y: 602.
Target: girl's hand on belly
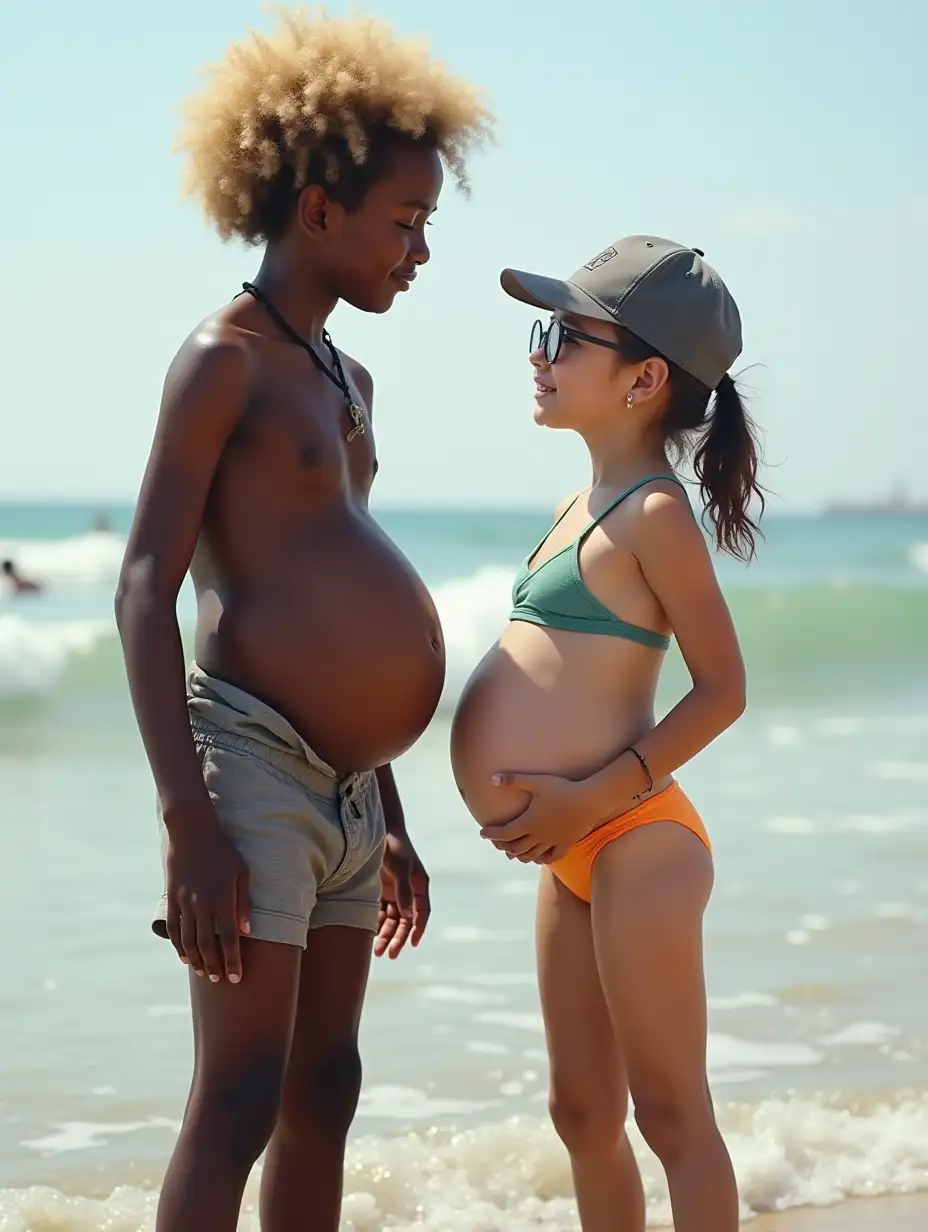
x: 559, y: 814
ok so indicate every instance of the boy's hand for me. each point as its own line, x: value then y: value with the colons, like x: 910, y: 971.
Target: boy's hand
x: 208, y: 902
x: 404, y: 906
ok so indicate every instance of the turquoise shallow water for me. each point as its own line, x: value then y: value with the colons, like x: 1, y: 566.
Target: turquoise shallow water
x: 818, y: 805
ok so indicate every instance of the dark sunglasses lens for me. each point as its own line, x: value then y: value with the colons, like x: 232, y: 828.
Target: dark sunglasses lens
x: 553, y: 341
x: 538, y: 333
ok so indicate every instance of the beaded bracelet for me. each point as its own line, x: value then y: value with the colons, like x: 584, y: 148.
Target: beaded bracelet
x: 644, y: 766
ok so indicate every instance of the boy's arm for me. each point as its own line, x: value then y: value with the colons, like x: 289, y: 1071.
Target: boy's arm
x: 406, y: 905
x: 204, y: 396
x: 394, y: 818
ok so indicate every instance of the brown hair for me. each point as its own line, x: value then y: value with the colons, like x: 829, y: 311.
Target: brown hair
x: 320, y: 100
x: 723, y: 441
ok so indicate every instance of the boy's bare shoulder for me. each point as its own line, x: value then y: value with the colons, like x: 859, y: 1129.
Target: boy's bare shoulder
x: 214, y: 345
x: 210, y: 376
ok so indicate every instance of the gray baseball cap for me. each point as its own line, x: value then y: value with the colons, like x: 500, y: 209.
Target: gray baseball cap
x: 665, y: 293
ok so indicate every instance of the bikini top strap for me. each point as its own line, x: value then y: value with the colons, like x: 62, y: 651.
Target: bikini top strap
x: 547, y: 535
x: 570, y: 504
x: 624, y: 495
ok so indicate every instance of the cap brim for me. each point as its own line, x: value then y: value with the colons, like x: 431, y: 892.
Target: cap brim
x: 552, y: 294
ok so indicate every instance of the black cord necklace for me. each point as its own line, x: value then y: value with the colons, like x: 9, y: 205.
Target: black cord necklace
x: 337, y: 377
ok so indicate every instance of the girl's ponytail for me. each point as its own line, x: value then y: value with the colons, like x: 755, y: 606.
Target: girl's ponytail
x: 725, y: 462
x: 723, y: 439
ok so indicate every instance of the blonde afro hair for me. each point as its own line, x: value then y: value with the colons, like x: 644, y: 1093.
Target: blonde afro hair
x: 319, y: 100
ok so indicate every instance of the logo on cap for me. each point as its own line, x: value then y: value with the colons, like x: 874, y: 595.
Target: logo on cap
x: 606, y: 255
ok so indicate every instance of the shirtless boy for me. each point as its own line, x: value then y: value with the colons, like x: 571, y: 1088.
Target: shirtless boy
x: 319, y: 656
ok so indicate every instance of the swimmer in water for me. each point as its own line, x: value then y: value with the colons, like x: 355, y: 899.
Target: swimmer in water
x: 18, y: 584
x: 554, y: 743
x: 319, y: 657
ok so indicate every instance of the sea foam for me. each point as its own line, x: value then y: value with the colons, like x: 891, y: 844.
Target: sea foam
x: 513, y: 1176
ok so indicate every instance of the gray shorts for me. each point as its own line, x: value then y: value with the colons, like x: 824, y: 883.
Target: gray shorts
x: 313, y: 842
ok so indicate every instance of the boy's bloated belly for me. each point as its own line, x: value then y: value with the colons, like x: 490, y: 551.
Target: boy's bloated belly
x: 340, y: 636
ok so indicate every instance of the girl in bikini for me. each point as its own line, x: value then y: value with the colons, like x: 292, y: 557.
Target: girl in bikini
x: 635, y: 358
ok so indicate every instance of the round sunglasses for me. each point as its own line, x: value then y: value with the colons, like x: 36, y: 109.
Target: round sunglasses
x: 551, y: 339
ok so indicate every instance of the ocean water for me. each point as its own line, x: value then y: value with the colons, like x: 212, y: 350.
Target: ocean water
x: 816, y: 938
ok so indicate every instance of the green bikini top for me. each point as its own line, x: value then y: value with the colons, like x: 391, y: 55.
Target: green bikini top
x: 554, y: 594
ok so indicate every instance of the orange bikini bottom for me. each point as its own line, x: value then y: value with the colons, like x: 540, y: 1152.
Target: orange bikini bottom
x: 575, y: 869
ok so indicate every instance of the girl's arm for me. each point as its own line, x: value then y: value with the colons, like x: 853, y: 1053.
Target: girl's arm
x: 674, y: 558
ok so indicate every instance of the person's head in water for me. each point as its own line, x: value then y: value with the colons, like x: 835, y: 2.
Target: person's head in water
x: 637, y: 343
x: 326, y: 139
x: 19, y: 584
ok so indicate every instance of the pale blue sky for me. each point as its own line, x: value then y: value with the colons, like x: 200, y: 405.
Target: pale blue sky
x: 787, y: 139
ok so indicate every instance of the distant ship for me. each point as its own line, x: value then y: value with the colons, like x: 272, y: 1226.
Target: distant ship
x: 898, y: 505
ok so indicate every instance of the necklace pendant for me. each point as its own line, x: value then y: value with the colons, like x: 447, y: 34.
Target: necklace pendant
x: 357, y: 419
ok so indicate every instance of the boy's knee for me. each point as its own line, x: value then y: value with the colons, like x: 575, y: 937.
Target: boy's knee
x: 322, y: 1098
x: 588, y: 1123
x: 238, y: 1109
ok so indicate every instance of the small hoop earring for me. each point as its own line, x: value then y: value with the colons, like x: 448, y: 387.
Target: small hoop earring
x: 630, y: 400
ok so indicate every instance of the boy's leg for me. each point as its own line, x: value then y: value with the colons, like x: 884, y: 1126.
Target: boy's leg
x: 588, y: 1087
x: 301, y: 1189
x: 650, y: 891
x: 242, y: 1036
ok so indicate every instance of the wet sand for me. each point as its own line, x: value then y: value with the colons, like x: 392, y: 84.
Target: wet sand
x: 908, y: 1214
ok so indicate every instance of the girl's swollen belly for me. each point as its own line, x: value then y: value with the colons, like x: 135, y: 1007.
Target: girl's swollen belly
x: 530, y: 717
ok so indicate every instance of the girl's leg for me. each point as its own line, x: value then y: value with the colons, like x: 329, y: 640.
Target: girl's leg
x: 650, y: 891
x: 589, y: 1092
